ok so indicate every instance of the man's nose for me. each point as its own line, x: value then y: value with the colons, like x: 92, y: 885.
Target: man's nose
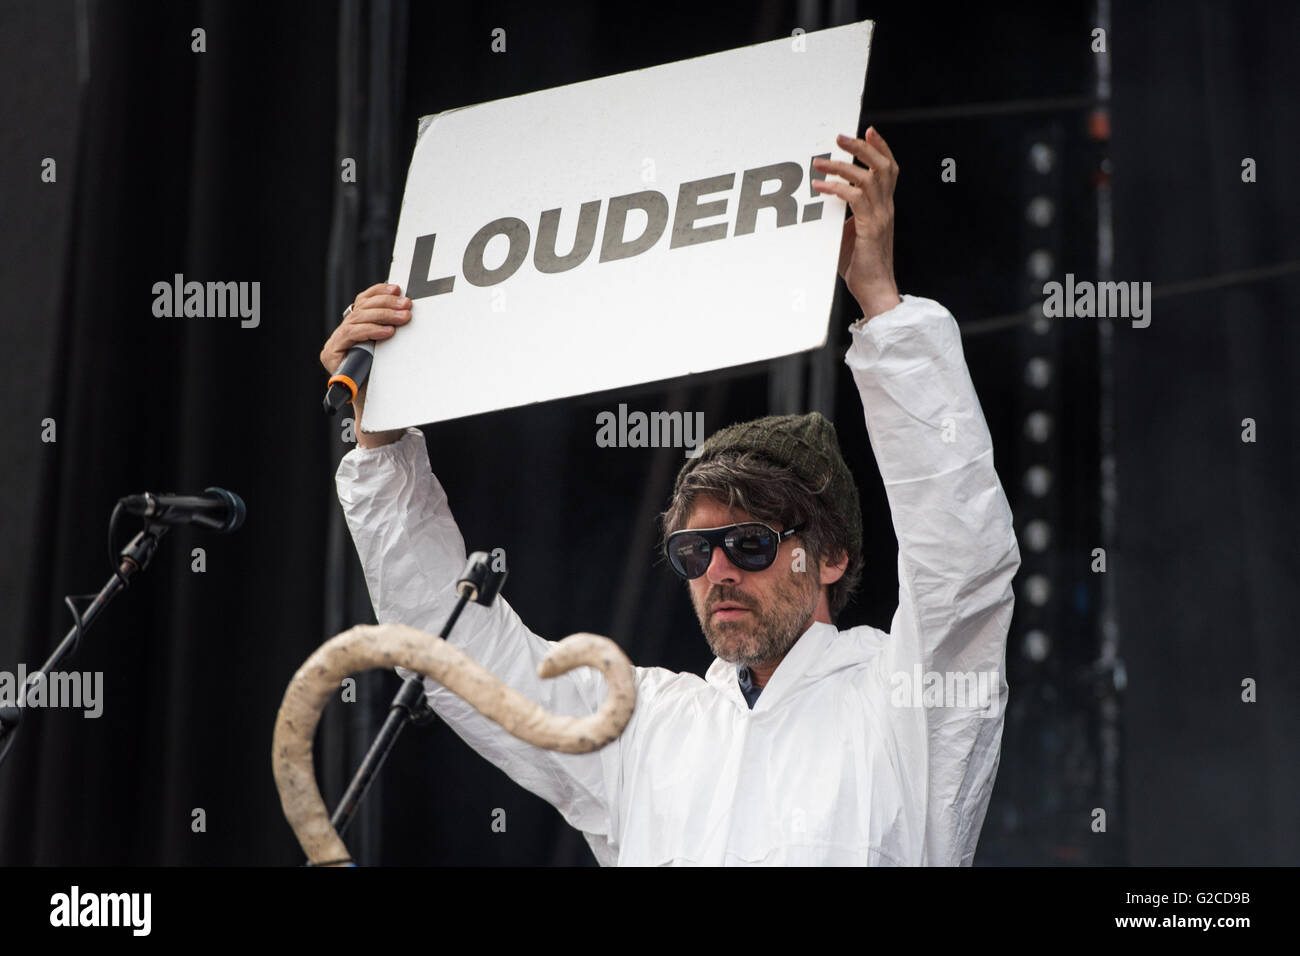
x: 721, y: 569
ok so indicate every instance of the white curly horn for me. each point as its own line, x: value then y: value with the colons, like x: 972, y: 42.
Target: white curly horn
x: 396, y: 645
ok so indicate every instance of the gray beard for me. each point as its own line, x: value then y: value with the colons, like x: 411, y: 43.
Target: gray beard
x: 768, y: 633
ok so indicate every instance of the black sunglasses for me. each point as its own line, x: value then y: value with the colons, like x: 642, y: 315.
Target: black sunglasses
x: 751, y: 546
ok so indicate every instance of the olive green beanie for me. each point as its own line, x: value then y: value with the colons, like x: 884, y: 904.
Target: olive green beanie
x: 807, y: 445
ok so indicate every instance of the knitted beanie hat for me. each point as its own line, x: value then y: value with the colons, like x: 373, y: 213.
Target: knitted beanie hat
x: 807, y: 445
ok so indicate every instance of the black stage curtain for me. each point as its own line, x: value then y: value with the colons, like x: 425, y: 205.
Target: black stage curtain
x: 217, y: 165
x: 1207, y: 558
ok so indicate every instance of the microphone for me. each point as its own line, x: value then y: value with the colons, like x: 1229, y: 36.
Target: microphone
x: 216, y: 508
x: 480, y: 581
x: 351, y: 375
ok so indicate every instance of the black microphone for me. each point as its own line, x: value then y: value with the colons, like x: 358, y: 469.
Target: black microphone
x: 351, y: 375
x: 480, y: 580
x: 216, y: 508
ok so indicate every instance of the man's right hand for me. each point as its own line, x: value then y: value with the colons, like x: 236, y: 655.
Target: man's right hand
x: 376, y: 314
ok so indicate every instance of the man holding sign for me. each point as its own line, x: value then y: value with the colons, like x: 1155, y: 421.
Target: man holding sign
x: 803, y: 744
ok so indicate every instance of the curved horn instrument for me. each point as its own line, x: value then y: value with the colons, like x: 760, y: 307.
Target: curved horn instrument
x: 396, y: 645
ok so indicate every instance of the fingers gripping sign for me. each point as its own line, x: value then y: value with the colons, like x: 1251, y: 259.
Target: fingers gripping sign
x: 867, y: 248
x: 375, y: 314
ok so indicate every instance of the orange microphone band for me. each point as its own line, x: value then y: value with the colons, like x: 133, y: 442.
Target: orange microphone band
x: 338, y: 379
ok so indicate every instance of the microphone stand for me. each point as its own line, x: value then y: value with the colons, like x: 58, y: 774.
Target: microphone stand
x: 479, y: 583
x: 135, y: 557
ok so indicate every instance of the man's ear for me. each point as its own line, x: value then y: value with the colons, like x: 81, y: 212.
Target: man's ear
x: 832, y: 571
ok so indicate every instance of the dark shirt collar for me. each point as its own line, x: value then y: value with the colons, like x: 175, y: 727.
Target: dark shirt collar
x: 747, y: 686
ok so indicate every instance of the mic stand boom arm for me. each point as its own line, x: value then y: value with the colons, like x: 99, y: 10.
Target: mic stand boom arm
x: 135, y: 557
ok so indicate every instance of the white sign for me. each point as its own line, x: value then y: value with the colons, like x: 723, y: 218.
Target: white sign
x: 623, y: 230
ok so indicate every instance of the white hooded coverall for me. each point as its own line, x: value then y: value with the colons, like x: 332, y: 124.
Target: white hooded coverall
x: 842, y: 760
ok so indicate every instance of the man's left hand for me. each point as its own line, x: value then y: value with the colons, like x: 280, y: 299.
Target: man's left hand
x: 867, y: 247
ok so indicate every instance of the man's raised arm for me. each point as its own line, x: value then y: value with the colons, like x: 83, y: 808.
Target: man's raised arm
x: 957, y: 552
x: 412, y: 552
x: 944, y: 665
